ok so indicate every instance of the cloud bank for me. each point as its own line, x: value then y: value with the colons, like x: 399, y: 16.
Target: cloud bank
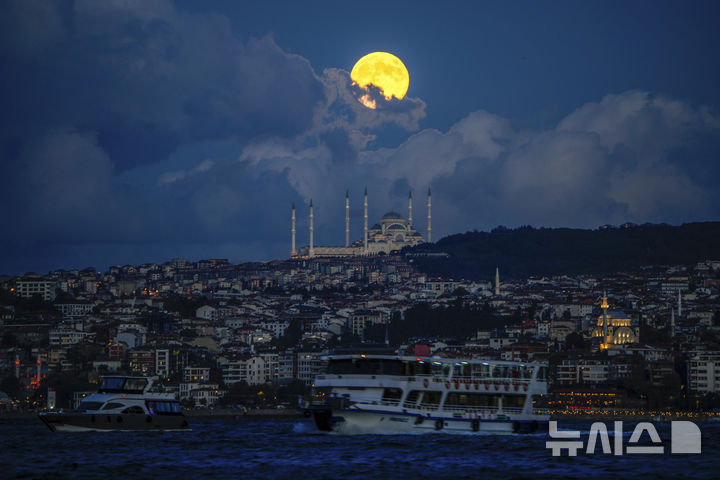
x: 137, y: 132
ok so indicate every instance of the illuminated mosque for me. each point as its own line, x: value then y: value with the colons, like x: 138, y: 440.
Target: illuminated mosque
x: 614, y: 327
x: 390, y: 234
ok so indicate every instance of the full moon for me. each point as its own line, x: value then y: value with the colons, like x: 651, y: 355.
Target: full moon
x: 383, y: 70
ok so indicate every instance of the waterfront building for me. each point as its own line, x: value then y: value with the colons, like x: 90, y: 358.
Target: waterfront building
x: 704, y: 372
x: 311, y: 364
x: 252, y: 369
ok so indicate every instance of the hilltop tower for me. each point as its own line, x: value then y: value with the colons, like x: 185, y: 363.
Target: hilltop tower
x: 347, y: 218
x: 293, y: 251
x: 410, y: 209
x: 365, y: 224
x: 672, y: 322
x: 311, y: 251
x: 429, y: 225
x: 679, y: 303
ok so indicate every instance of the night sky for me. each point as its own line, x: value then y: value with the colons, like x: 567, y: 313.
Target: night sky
x: 137, y: 131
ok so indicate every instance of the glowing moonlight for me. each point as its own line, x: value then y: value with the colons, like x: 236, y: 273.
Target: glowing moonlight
x: 383, y: 70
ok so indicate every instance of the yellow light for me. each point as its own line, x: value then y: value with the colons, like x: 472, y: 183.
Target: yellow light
x: 383, y: 70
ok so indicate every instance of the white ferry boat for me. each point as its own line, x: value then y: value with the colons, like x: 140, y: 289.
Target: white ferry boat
x: 121, y: 403
x: 383, y: 394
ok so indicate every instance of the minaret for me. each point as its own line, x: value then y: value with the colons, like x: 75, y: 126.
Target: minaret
x: 365, y: 226
x: 410, y: 211
x: 429, y: 236
x: 497, y: 281
x: 679, y: 303
x: 347, y: 219
x: 293, y: 252
x: 311, y: 250
x: 672, y: 322
x: 605, y: 343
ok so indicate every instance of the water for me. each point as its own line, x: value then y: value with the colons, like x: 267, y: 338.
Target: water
x: 288, y: 448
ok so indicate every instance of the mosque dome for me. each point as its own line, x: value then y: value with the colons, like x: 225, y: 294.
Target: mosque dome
x: 392, y: 216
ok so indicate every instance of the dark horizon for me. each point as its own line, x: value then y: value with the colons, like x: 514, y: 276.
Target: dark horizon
x: 436, y: 245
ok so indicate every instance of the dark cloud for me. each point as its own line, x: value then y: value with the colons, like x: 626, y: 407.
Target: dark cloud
x: 136, y: 132
x: 148, y: 79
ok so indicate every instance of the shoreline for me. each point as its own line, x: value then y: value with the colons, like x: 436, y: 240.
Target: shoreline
x: 214, y: 413
x: 295, y: 413
x: 639, y: 416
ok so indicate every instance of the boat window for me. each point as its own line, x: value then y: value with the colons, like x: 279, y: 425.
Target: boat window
x: 338, y: 367
x: 412, y: 397
x: 526, y: 372
x: 480, y: 370
x: 440, y: 369
x: 500, y: 371
x: 417, y: 368
x: 112, y: 383
x: 366, y: 366
x: 471, y: 400
x: 134, y: 409
x: 163, y: 407
x: 85, y: 406
x: 122, y: 385
x: 514, y: 401
x: 392, y: 394
x: 392, y: 367
x: 461, y: 370
x: 539, y: 401
x: 431, y: 398
x: 542, y: 374
x: 113, y: 405
x: 137, y: 384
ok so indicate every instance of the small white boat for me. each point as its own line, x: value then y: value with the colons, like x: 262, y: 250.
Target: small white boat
x: 396, y: 394
x: 122, y: 403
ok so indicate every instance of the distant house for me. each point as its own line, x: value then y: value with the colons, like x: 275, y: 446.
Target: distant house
x: 206, y: 312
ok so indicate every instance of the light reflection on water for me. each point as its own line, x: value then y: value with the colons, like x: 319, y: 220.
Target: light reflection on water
x: 290, y: 448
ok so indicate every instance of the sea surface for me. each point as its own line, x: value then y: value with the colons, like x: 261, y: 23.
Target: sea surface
x: 289, y: 448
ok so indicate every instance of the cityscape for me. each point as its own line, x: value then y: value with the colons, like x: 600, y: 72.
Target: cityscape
x: 335, y: 240
x: 220, y: 334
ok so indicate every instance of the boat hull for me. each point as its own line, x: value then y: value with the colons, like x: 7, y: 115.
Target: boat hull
x: 83, y: 422
x: 350, y: 422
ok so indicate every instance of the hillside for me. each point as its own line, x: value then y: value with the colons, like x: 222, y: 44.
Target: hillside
x: 528, y: 251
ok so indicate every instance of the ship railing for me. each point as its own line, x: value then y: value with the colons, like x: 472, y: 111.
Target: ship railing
x: 474, y: 409
x: 512, y: 409
x: 469, y: 409
x: 490, y: 379
x: 420, y: 406
x: 432, y: 378
x: 471, y: 379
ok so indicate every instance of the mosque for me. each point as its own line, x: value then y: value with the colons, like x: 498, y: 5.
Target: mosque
x: 390, y: 234
x: 614, y: 327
